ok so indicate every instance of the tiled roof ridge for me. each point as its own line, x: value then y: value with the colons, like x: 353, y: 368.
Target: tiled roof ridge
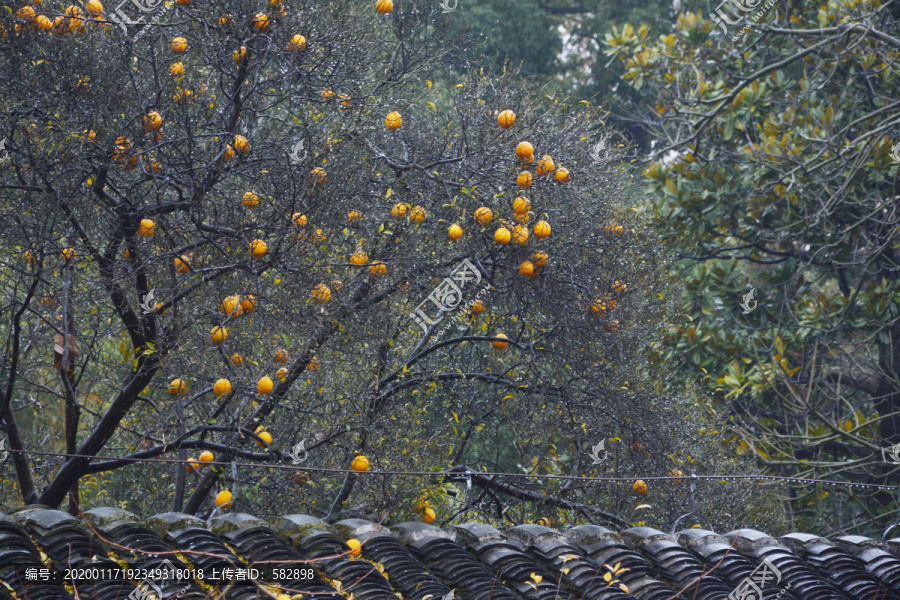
x: 417, y: 561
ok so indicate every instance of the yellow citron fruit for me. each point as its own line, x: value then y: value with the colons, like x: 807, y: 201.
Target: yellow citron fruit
x: 393, y: 120
x: 639, y: 487
x: 258, y: 248
x: 355, y: 547
x: 377, y: 268
x: 384, y: 6
x: 545, y: 166
x: 525, y: 152
x: 298, y: 42
x: 484, y: 215
x: 231, y: 306
x: 222, y: 388
x: 266, y: 437
x: 241, y: 144
x: 178, y: 387
x: 218, y: 335
x: 265, y: 385
x: 418, y: 214
x: 360, y: 463
x: 562, y: 175
x: 540, y: 258
x: 455, y: 232
x: 321, y: 293
x: 498, y: 344
x: 359, y: 258
x: 429, y: 515
x: 506, y: 119
x: 182, y: 264
x: 524, y: 180
x: 520, y: 235
x: 477, y: 307
x: 147, y: 228
x: 250, y: 200
x: 206, y: 456
x: 223, y: 499
x: 541, y: 229
x: 502, y: 236
x: 237, y: 360
x: 399, y: 211
x: 281, y: 356
x: 179, y: 44
x: 521, y: 205
x: 526, y: 269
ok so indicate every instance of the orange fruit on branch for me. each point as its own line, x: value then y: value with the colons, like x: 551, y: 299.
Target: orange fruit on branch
x: 639, y: 487
x: 281, y: 373
x: 231, y: 306
x: 429, y: 515
x: 264, y: 385
x: 147, y: 228
x: 152, y: 120
x: 192, y: 466
x: 541, y: 229
x: 94, y: 7
x: 178, y: 387
x: 418, y: 214
x: 281, y: 356
x: 477, y: 307
x: 238, y: 55
x: 298, y: 42
x: 179, y: 44
x: 360, y: 463
x: 177, y: 68
x: 527, y: 269
x: 237, y: 360
x: 218, y: 335
x: 545, y: 165
x: 250, y: 200
x: 502, y: 236
x: 521, y: 205
x: 222, y: 387
x: 261, y: 22
x: 484, y: 215
x: 393, y: 120
x: 319, y: 174
x: 258, y: 248
x: 455, y: 232
x: 399, y: 211
x: 223, y: 499
x: 359, y: 258
x: 524, y: 180
x: 377, y: 269
x: 299, y: 219
x: 206, y: 456
x: 384, y: 6
x: 562, y: 175
x: 321, y: 293
x: 241, y: 144
x: 354, y: 217
x: 506, y: 119
x: 500, y: 345
x: 540, y: 258
x: 182, y: 264
x: 248, y: 303
x: 520, y: 235
x: 525, y: 152
x: 355, y: 547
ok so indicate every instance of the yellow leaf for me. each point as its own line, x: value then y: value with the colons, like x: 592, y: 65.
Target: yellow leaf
x: 454, y: 416
x: 607, y: 577
x: 431, y: 106
x: 429, y: 87
x: 389, y: 193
